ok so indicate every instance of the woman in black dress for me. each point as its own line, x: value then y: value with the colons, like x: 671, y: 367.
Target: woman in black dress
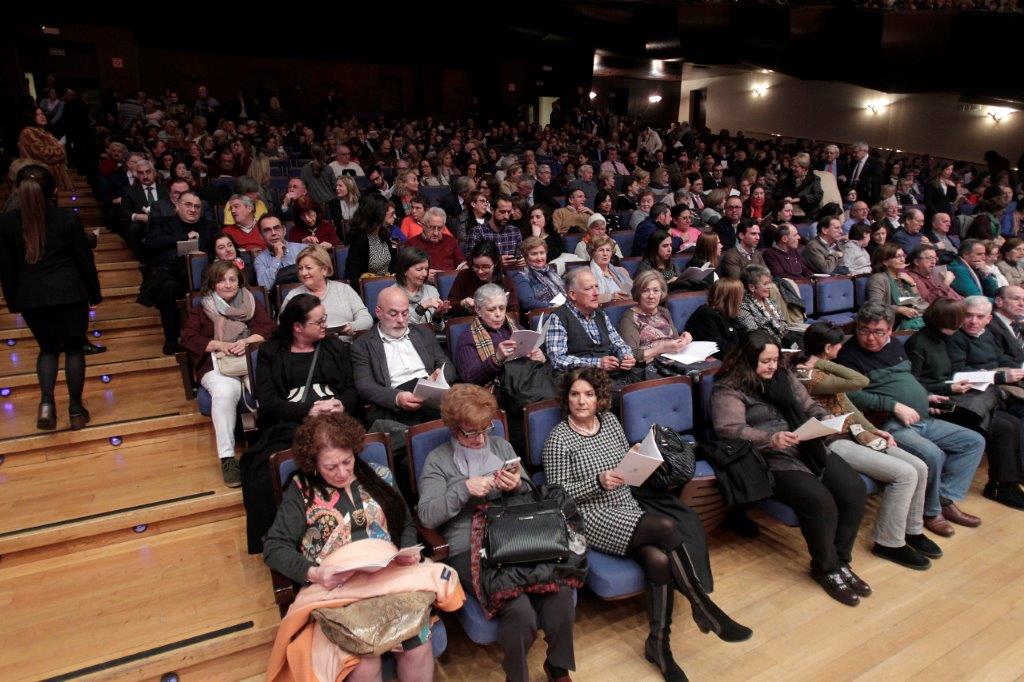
x: 49, y: 276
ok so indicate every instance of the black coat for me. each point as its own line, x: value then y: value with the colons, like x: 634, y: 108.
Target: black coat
x: 134, y: 199
x: 359, y: 257
x: 707, y: 324
x: 1011, y: 351
x: 333, y: 364
x: 546, y: 195
x: 65, y: 274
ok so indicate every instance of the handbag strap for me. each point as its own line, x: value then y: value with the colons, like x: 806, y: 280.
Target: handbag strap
x: 530, y: 484
x: 309, y: 376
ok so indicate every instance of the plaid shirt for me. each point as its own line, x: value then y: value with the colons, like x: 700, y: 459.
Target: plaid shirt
x: 508, y: 240
x: 557, y: 341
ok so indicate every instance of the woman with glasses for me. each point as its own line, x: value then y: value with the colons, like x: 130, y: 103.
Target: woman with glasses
x: 892, y: 285
x: 484, y: 268
x: 457, y: 477
x: 226, y: 320
x: 597, y: 226
x: 483, y: 348
x: 757, y: 310
x: 346, y: 312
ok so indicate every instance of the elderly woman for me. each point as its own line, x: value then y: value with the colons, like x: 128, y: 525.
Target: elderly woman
x: 899, y: 527
x: 217, y: 330
x: 342, y: 208
x: 756, y: 401
x: 482, y: 350
x: 345, y: 310
x: 613, y: 282
x: 597, y: 226
x: 537, y: 286
x: 310, y: 225
x: 1011, y: 261
x: 337, y: 499
x: 411, y: 272
x: 371, y: 252
x: 856, y: 258
x: 580, y: 455
x: 647, y: 327
x: 484, y: 267
x: 456, y: 478
x: 804, y: 191
x: 890, y: 284
x: 757, y: 310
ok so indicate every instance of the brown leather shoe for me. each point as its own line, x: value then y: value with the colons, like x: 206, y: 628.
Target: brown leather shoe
x: 955, y: 514
x: 939, y: 525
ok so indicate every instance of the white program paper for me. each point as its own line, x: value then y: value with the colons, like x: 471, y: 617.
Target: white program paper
x: 697, y: 351
x: 374, y: 566
x: 432, y: 391
x: 641, y: 461
x: 558, y: 300
x: 813, y: 428
x: 528, y: 340
x: 979, y: 381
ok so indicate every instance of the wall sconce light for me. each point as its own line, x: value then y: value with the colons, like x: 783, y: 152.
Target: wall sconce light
x: 759, y: 90
x: 876, y: 107
x: 593, y: 95
x: 654, y: 99
x: 997, y: 114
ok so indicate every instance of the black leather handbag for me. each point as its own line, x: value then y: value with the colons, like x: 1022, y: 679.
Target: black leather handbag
x: 527, y: 532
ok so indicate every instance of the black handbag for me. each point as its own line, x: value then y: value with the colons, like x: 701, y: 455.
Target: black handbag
x: 524, y: 382
x: 526, y: 532
x: 680, y: 460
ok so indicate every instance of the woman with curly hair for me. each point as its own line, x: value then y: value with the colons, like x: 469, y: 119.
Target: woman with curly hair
x: 335, y: 499
x: 580, y: 455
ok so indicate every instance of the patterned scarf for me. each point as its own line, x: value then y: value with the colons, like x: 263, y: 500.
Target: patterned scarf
x: 482, y: 337
x: 229, y: 319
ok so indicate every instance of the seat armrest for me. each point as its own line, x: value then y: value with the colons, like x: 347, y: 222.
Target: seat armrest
x: 437, y: 547
x: 284, y: 591
x: 187, y: 381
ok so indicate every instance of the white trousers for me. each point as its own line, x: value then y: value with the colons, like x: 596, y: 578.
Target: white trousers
x: 226, y: 392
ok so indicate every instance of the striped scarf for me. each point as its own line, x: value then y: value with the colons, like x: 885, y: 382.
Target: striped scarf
x: 482, y: 337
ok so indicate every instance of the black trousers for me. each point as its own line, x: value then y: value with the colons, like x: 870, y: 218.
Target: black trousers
x: 519, y: 620
x: 829, y: 509
x: 1005, y: 453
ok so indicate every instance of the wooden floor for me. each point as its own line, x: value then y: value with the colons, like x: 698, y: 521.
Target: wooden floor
x: 128, y: 561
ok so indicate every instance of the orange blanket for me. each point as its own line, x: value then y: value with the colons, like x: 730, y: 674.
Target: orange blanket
x: 301, y: 652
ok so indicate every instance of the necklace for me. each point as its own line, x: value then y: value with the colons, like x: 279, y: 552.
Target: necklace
x: 583, y: 430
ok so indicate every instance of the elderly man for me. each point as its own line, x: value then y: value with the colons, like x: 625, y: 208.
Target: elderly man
x: 865, y: 173
x: 454, y: 202
x: 970, y: 271
x: 612, y: 164
x: 644, y: 204
x: 344, y: 164
x: 660, y: 218
x: 823, y: 254
x: 524, y: 187
x: 388, y: 360
x: 951, y: 452
x: 830, y: 162
x: 921, y: 266
x: 500, y: 230
x: 585, y: 181
x: 1006, y: 327
x: 250, y: 188
x: 580, y: 334
x: 911, y: 234
x: 137, y: 202
x: 744, y: 253
x: 783, y: 257
x: 728, y: 227
x: 296, y: 189
x: 543, y: 191
x: 574, y: 216
x: 278, y: 254
x: 441, y: 247
x: 858, y: 215
x: 245, y: 231
x: 941, y: 237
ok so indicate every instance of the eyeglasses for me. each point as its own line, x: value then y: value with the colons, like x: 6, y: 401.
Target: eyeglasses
x: 322, y: 322
x: 877, y: 333
x: 473, y: 434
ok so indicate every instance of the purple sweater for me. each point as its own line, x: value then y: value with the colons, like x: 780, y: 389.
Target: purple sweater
x: 473, y: 370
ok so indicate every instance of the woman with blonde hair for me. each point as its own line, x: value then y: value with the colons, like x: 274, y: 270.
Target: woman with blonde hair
x: 613, y: 282
x: 343, y: 306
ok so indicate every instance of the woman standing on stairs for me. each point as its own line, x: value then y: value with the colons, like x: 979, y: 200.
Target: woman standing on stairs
x: 48, y: 275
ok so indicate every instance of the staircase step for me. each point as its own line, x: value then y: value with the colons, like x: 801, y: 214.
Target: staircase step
x: 122, y: 313
x: 112, y: 279
x: 154, y: 480
x: 124, y: 357
x: 149, y: 605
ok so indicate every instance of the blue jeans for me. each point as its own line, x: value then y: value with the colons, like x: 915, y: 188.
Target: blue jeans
x: 951, y: 452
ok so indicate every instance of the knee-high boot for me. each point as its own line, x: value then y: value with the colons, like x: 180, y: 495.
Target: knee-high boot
x: 657, y: 649
x: 706, y: 613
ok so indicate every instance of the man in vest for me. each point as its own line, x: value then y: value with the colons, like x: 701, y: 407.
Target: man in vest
x: 579, y: 333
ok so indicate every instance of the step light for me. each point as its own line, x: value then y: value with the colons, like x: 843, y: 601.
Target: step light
x: 5, y: 392
x: 105, y: 378
x: 115, y: 440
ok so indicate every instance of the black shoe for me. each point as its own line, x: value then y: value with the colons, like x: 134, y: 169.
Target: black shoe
x: 738, y: 522
x: 706, y: 613
x: 1008, y: 494
x: 556, y: 674
x: 230, y: 472
x: 79, y: 417
x: 922, y: 544
x: 835, y: 586
x: 93, y: 349
x: 170, y: 347
x: 854, y: 581
x: 656, y: 649
x: 904, y: 556
x: 47, y: 418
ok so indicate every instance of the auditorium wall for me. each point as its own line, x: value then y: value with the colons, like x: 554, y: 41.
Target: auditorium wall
x: 936, y: 123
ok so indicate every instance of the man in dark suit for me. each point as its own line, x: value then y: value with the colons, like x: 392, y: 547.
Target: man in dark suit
x: 138, y: 201
x: 167, y: 207
x: 543, y: 190
x: 832, y: 164
x: 1006, y: 326
x: 865, y: 174
x: 728, y: 226
x: 454, y: 203
x: 389, y: 359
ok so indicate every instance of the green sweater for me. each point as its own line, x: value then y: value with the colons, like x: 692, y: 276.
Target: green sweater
x: 890, y: 379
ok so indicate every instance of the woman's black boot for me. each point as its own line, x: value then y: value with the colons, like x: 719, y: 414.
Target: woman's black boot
x: 657, y: 649
x: 706, y: 613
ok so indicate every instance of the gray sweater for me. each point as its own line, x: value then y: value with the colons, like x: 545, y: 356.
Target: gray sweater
x: 445, y: 502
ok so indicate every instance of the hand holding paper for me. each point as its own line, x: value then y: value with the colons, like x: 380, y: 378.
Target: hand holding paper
x: 640, y: 461
x: 813, y: 428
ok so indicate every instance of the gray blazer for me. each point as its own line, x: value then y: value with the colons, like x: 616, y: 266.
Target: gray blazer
x: 370, y: 365
x: 732, y: 262
x: 819, y: 259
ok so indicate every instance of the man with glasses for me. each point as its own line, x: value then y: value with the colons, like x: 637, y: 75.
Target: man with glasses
x: 344, y: 164
x: 823, y: 254
x: 931, y: 286
x: 858, y: 215
x: 951, y: 452
x: 500, y: 230
x: 279, y: 253
x: 391, y: 357
x: 441, y: 247
x: 728, y: 227
x: 1006, y: 326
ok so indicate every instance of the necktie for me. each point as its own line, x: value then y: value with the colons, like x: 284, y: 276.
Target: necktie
x: 856, y: 172
x: 1018, y: 333
x: 150, y: 195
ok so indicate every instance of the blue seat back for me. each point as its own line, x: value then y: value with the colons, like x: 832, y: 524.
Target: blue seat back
x: 197, y: 262
x: 615, y: 311
x: 668, y: 402
x: 624, y: 238
x: 445, y: 280
x: 340, y: 259
x: 808, y: 231
x: 860, y: 289
x: 421, y: 440
x: 572, y: 241
x: 834, y: 295
x: 455, y: 328
x: 540, y: 419
x: 807, y: 294
x: 631, y: 264
x: 682, y: 260
x: 681, y: 306
x: 371, y: 290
